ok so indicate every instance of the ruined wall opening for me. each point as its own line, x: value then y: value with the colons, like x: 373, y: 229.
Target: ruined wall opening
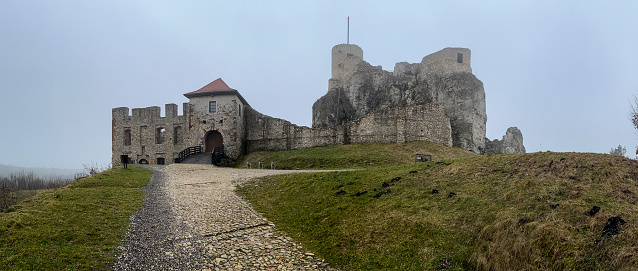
x: 127, y: 137
x: 213, y: 139
x: 178, y: 138
x: 159, y: 135
x: 459, y: 57
x: 161, y: 161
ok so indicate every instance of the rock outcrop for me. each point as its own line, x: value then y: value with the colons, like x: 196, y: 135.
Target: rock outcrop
x: 512, y: 142
x: 445, y: 77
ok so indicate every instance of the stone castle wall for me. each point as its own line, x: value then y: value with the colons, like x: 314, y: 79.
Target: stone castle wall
x: 392, y: 125
x: 145, y: 134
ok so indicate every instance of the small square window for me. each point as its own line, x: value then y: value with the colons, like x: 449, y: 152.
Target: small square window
x: 212, y: 107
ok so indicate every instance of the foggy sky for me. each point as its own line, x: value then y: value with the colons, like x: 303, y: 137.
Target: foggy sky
x: 561, y: 71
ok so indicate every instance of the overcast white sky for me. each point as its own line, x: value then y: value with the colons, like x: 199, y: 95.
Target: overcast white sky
x: 561, y: 71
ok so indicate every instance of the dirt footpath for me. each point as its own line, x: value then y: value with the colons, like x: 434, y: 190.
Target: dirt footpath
x: 192, y: 220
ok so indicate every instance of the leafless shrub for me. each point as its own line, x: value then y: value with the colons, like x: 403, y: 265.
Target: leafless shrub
x: 633, y: 113
x: 11, y: 185
x: 92, y: 169
x: 4, y: 196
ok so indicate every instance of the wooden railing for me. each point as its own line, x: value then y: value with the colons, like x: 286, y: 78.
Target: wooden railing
x: 188, y: 152
x: 218, y: 154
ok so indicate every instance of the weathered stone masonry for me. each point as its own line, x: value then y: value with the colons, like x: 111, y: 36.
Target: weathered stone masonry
x: 212, y: 118
x: 145, y: 135
x: 393, y: 125
x: 437, y: 100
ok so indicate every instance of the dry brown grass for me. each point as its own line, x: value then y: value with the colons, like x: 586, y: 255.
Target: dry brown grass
x: 510, y: 212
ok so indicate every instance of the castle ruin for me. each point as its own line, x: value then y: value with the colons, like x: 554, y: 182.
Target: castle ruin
x: 437, y: 100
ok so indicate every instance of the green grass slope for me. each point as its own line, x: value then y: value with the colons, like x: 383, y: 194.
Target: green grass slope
x: 360, y: 155
x: 502, y: 212
x: 72, y: 228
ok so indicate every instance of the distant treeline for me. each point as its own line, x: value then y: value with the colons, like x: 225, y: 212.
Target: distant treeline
x: 31, y: 181
x: 5, y: 170
x: 21, y: 185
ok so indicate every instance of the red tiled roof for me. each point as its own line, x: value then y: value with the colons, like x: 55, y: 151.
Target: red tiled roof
x: 217, y: 87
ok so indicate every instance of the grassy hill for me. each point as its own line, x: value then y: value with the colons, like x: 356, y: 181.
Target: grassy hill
x: 72, y: 228
x: 532, y: 211
x: 360, y: 155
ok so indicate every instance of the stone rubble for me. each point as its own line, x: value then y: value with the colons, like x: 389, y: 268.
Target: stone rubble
x: 192, y: 220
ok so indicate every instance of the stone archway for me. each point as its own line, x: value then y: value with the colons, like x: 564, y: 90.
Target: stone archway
x: 213, y: 139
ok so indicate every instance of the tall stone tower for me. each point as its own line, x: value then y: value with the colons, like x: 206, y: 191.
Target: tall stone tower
x: 345, y: 58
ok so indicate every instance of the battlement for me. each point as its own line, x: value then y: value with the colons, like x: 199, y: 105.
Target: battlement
x: 149, y: 113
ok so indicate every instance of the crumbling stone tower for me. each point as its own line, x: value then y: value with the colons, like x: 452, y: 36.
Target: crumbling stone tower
x: 357, y: 89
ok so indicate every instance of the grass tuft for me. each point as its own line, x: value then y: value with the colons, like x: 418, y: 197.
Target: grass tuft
x: 75, y: 227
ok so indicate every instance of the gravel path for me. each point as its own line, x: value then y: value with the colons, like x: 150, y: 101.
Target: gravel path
x: 192, y: 220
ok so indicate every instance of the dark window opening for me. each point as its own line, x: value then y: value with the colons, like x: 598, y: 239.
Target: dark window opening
x: 159, y: 135
x: 349, y: 55
x: 161, y: 161
x: 239, y: 110
x: 212, y: 107
x: 127, y: 137
x: 177, y: 135
x: 459, y: 57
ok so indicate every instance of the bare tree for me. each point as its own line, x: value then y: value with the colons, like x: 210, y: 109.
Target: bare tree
x: 5, y: 191
x: 620, y: 150
x: 633, y: 114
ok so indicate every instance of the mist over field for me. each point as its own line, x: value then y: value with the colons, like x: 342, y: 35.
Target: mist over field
x: 6, y: 170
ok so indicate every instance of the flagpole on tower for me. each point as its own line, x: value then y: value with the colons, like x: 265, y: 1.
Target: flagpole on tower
x: 348, y: 29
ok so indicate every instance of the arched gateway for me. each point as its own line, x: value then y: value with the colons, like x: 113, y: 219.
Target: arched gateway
x: 213, y: 139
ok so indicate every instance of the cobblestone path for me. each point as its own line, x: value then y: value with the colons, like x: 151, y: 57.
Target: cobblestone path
x: 192, y: 220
